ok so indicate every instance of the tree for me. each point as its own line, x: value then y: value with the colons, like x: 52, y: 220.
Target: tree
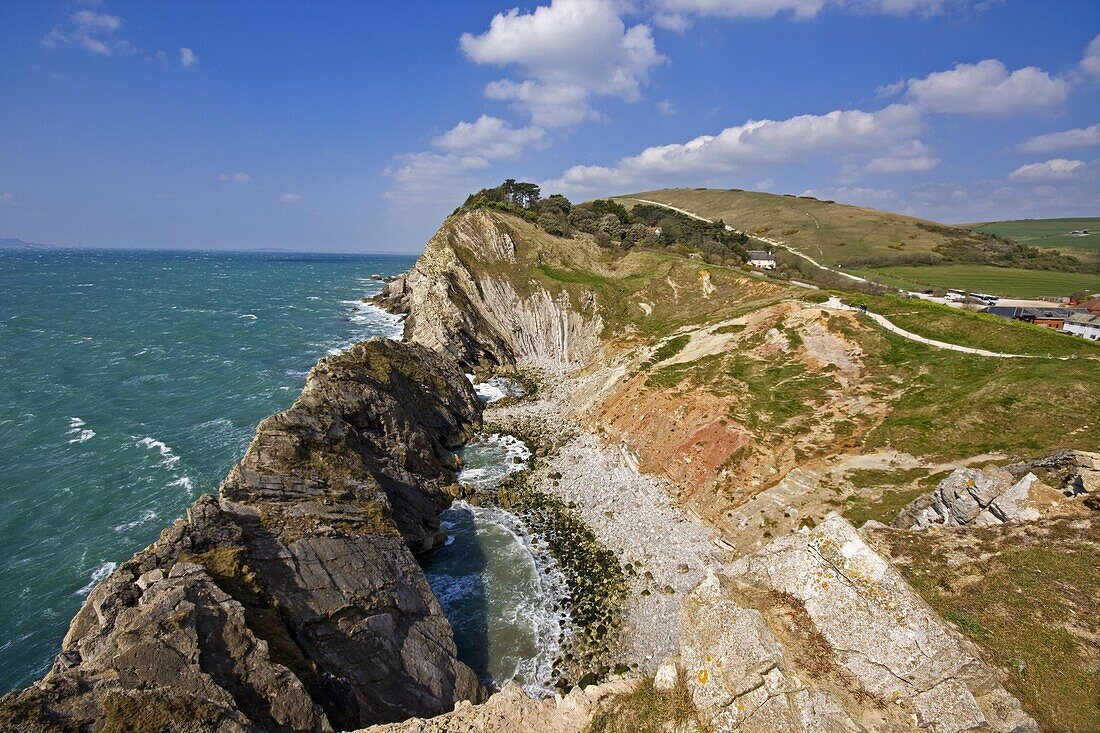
x: 610, y: 225
x: 552, y: 223
x: 582, y: 220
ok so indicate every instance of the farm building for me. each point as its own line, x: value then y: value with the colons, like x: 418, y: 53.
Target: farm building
x: 1050, y: 317
x: 1086, y: 326
x: 761, y: 259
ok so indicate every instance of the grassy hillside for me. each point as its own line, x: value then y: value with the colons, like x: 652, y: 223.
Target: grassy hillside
x: 1049, y: 233
x: 829, y: 232
x: 896, y: 249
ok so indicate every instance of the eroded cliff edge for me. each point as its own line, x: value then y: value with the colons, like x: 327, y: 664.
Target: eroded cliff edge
x: 293, y: 601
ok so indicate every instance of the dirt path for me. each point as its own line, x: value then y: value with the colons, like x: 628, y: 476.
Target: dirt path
x: 766, y: 240
x: 835, y: 304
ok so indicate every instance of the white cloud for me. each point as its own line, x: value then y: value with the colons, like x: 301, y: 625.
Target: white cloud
x: 1090, y: 62
x: 565, y: 51
x: 666, y: 108
x: 987, y: 89
x: 489, y: 137
x: 290, y: 198
x: 674, y: 14
x: 1065, y: 140
x: 238, y: 177
x: 427, y: 176
x: 766, y: 185
x: 912, y: 156
x: 7, y: 198
x: 850, y: 135
x: 188, y: 58
x: 92, y: 31
x: 1051, y: 170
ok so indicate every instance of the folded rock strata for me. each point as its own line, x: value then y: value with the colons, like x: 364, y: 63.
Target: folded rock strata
x: 294, y: 601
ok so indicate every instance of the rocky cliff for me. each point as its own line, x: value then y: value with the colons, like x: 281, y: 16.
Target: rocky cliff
x: 293, y: 601
x: 468, y: 296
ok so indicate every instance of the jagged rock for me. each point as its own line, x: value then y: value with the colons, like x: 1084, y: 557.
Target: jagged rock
x: 294, y: 602
x: 667, y: 676
x: 1073, y: 472
x: 991, y: 496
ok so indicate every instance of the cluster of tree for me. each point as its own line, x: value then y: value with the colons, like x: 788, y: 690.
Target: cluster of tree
x: 612, y: 225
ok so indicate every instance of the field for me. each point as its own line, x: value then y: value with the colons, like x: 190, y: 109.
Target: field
x: 1002, y: 281
x: 1050, y: 234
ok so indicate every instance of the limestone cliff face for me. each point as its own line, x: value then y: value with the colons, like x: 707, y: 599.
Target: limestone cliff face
x: 467, y: 295
x: 293, y: 602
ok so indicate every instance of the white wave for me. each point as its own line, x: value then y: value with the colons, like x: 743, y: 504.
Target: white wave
x: 248, y: 315
x: 147, y: 515
x: 375, y: 322
x: 496, y: 388
x: 83, y: 436
x: 168, y: 457
x: 77, y: 430
x: 98, y: 576
x: 545, y: 611
x: 183, y: 482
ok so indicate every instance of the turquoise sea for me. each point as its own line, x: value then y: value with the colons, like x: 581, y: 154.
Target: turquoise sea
x: 130, y: 382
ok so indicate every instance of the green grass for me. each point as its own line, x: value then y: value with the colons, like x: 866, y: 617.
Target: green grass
x: 1048, y: 233
x: 954, y: 405
x: 1003, y: 281
x: 978, y: 330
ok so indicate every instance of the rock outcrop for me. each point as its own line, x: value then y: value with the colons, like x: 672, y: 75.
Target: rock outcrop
x: 994, y: 495
x: 461, y: 300
x: 512, y: 711
x: 817, y: 632
x: 294, y: 601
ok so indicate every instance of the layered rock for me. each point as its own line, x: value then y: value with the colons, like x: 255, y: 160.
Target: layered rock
x: 460, y: 299
x: 293, y: 602
x: 834, y: 640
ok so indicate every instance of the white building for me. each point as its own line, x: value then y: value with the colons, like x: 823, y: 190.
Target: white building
x: 760, y: 259
x: 1085, y: 326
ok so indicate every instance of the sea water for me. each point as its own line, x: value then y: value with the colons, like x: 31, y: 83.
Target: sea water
x: 130, y: 382
x: 499, y: 586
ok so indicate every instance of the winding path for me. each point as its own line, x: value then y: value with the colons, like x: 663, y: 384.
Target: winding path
x: 766, y: 240
x: 836, y: 304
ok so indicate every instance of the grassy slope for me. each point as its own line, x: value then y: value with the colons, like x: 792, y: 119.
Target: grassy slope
x: 1002, y: 281
x: 828, y: 232
x: 944, y: 404
x: 836, y: 234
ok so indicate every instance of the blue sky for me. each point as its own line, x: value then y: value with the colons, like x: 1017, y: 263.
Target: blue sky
x: 360, y: 125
